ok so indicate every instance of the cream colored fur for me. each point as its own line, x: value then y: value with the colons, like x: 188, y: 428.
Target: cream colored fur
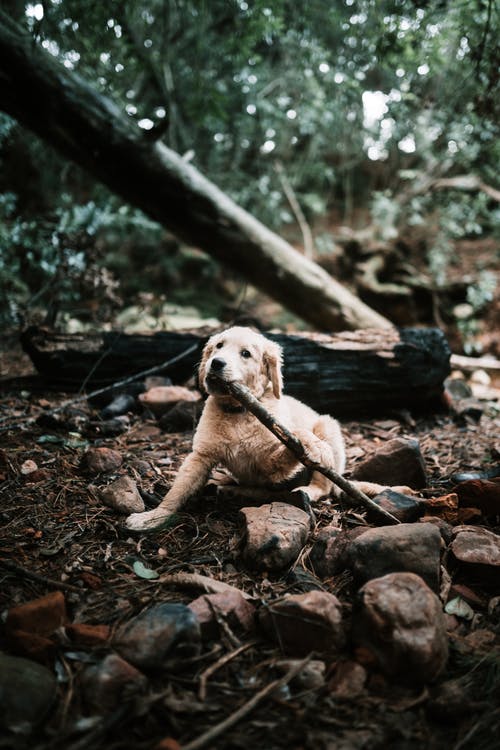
x: 237, y: 440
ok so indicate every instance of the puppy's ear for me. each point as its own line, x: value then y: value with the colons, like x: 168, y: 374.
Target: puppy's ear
x: 202, y: 370
x: 273, y: 358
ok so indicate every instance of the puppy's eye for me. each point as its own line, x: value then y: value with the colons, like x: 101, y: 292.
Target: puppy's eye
x: 219, y: 345
x: 245, y: 354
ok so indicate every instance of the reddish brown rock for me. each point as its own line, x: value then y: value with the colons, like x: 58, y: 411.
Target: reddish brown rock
x: 480, y: 493
x: 158, y: 634
x: 476, y: 551
x: 348, y: 680
x: 401, y: 622
x: 444, y: 507
x: 40, y: 616
x: 101, y: 460
x: 106, y: 684
x: 228, y: 606
x: 408, y: 547
x: 275, y: 535
x: 123, y: 496
x: 302, y: 623
x: 161, y: 398
x: 398, y: 462
x: 182, y: 417
x: 88, y: 635
x: 33, y: 646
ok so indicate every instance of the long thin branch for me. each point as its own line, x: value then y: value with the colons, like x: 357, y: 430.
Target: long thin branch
x: 307, y: 237
x: 126, y: 381
x: 211, y: 734
x: 243, y: 395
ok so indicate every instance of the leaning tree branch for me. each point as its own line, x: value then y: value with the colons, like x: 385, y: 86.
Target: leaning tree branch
x: 243, y: 395
x: 92, y: 130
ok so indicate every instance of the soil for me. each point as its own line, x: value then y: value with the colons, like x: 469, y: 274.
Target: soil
x: 59, y: 535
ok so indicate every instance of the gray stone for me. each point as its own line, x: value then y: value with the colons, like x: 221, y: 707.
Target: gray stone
x: 405, y: 509
x: 100, y: 460
x: 398, y: 462
x: 400, y: 622
x: 158, y: 634
x: 123, y: 496
x: 302, y: 623
x: 327, y: 555
x: 408, y: 547
x: 27, y: 692
x: 275, y: 535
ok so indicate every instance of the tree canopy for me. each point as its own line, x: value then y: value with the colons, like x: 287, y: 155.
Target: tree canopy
x: 351, y: 103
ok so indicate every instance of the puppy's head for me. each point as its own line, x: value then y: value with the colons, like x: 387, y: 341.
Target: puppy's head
x: 244, y: 356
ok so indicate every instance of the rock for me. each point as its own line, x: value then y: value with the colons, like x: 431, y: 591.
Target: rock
x: 161, y: 398
x: 398, y: 462
x: 182, y: 417
x: 121, y: 404
x: 467, y: 411
x: 40, y: 616
x: 477, y: 552
x: 28, y: 467
x: 327, y: 555
x: 445, y: 529
x: 409, y: 547
x: 27, y: 692
x: 158, y: 634
x: 111, y: 427
x: 230, y: 606
x: 106, y: 684
x: 457, y: 389
x: 468, y: 595
x: 444, y: 506
x: 310, y: 677
x: 401, y: 622
x: 348, y: 680
x: 88, y: 635
x: 32, y: 646
x: 275, y: 535
x: 123, y: 496
x: 302, y: 623
x: 100, y: 460
x: 405, y: 509
x: 480, y: 493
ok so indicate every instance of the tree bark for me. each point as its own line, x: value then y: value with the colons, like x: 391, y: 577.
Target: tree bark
x: 362, y: 372
x: 90, y: 129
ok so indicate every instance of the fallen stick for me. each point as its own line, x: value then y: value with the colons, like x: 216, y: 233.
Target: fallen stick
x: 243, y: 395
x: 211, y: 734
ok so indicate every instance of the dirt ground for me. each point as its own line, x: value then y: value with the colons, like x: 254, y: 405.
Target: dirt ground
x: 59, y: 536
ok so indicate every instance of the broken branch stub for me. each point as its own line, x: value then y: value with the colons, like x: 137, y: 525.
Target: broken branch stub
x: 243, y: 395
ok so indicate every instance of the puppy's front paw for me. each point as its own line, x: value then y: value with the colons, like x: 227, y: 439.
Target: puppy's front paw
x: 148, y: 521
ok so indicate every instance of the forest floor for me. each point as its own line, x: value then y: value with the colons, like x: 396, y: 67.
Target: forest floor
x: 57, y: 535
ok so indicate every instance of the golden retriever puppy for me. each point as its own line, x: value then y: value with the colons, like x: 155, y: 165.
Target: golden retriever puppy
x: 230, y: 436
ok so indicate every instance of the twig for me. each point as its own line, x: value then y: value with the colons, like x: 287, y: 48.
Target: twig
x: 297, y: 210
x: 195, y: 580
x: 37, y: 577
x: 209, y: 671
x: 137, y: 376
x: 243, y: 395
x: 211, y: 734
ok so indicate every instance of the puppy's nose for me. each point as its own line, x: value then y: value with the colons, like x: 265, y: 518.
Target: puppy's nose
x: 217, y: 364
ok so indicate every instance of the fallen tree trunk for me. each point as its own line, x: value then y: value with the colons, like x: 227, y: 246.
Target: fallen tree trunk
x: 347, y: 373
x: 85, y: 126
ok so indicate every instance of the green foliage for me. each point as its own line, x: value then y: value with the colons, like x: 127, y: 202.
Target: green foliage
x: 240, y: 85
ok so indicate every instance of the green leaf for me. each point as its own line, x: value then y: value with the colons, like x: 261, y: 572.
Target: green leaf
x: 143, y: 572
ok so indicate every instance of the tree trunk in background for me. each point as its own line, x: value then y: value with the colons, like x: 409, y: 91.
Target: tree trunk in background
x: 90, y: 129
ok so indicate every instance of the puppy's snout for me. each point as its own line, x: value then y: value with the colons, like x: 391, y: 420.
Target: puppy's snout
x: 217, y: 365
